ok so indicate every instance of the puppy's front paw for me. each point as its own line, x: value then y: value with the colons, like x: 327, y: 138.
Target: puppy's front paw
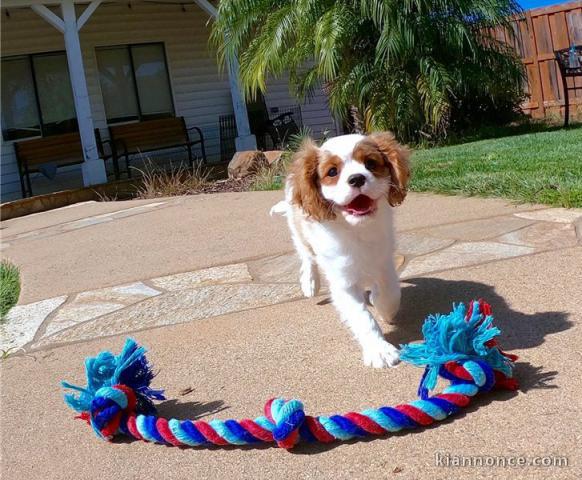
x: 381, y: 354
x: 309, y: 282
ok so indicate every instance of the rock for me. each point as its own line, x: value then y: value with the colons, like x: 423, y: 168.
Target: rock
x: 246, y: 163
x: 273, y: 156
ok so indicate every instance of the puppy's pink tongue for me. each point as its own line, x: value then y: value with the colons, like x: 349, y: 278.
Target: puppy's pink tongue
x: 360, y: 205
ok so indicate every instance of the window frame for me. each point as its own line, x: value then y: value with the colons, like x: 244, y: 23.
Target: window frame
x: 140, y: 115
x: 29, y: 57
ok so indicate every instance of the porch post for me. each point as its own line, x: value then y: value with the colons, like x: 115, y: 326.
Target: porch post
x: 93, y: 167
x: 245, y: 140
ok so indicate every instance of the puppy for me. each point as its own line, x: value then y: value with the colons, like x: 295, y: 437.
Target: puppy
x: 339, y: 200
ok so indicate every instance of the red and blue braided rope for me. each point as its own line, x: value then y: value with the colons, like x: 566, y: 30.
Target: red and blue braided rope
x: 285, y: 423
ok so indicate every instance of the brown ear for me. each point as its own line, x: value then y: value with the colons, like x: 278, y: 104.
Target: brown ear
x: 306, y: 185
x: 396, y: 157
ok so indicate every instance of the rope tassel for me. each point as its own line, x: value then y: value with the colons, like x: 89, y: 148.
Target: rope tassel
x: 459, y: 347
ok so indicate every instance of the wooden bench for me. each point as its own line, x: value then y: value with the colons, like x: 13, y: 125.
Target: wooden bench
x: 60, y: 150
x: 153, y: 135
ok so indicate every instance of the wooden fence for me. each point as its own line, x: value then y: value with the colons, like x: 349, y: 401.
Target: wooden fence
x: 536, y: 35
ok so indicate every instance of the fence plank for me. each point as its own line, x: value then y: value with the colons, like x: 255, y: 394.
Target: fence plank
x: 537, y: 34
x: 575, y: 25
x: 559, y: 31
x: 543, y: 41
x: 534, y: 73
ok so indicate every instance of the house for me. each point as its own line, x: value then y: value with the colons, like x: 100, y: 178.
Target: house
x: 84, y: 66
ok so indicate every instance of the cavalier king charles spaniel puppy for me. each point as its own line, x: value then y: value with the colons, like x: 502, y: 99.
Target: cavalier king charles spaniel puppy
x: 339, y: 200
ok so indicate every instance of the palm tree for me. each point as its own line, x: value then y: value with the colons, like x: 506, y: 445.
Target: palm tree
x: 405, y: 65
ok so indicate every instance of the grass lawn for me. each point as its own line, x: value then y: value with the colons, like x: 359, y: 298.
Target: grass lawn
x: 541, y: 167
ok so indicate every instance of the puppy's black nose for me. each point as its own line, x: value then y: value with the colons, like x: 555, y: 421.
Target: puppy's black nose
x: 356, y: 180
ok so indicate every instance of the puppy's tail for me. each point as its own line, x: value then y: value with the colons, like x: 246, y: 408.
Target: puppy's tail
x: 281, y: 208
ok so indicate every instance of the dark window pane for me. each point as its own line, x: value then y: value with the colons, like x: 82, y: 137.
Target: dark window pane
x: 151, y: 77
x: 54, y: 93
x: 117, y: 85
x: 19, y: 110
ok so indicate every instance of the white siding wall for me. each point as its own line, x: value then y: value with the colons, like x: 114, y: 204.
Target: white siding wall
x: 200, y: 92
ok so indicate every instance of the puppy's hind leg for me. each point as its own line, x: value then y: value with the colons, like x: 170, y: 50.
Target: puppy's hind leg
x: 309, y: 272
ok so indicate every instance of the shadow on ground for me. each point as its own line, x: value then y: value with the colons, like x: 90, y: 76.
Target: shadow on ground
x: 530, y: 377
x: 423, y: 296
x: 174, y: 408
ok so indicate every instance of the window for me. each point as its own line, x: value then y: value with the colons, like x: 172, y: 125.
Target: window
x: 37, y: 98
x: 135, y: 82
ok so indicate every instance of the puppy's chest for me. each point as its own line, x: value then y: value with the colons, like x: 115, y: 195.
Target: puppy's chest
x: 349, y: 248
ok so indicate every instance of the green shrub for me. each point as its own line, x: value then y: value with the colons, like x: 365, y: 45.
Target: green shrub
x: 9, y: 287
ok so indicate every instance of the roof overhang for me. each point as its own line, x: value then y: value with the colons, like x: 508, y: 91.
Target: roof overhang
x: 205, y: 5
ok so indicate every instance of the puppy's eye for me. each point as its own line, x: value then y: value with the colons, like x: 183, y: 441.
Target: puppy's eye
x: 332, y: 172
x: 370, y: 164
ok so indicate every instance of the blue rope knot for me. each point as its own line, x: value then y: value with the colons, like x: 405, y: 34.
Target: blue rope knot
x: 288, y: 416
x: 482, y: 373
x: 107, y: 407
x: 463, y: 336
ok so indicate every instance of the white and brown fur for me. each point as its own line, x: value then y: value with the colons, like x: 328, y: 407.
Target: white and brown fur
x: 354, y: 250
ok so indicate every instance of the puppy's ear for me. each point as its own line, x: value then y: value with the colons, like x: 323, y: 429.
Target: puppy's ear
x: 396, y: 157
x: 306, y: 185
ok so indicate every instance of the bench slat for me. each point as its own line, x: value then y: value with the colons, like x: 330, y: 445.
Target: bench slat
x: 60, y: 149
x: 151, y: 134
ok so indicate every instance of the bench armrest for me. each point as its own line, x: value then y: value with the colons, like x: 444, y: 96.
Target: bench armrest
x: 102, y: 153
x: 118, y: 147
x: 201, y: 137
x: 281, y: 117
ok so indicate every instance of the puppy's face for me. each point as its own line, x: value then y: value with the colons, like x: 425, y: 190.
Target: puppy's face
x: 349, y: 176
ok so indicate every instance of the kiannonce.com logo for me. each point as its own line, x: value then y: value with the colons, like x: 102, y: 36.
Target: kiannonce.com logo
x: 499, y: 461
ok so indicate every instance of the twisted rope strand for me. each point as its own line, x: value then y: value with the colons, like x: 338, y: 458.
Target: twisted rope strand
x: 285, y: 422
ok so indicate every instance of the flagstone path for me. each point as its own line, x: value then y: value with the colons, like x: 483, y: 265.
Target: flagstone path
x: 263, y: 281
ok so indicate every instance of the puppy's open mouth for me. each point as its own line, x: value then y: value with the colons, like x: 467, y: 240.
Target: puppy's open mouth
x: 360, y: 206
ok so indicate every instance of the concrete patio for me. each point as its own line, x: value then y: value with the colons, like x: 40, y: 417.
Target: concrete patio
x: 219, y: 276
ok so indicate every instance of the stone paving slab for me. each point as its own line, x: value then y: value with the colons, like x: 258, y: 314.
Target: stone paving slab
x: 89, y: 305
x: 22, y: 322
x: 560, y: 215
x: 69, y: 213
x: 53, y: 230
x: 543, y: 236
x: 177, y: 307
x: 474, y: 230
x: 276, y: 268
x: 209, y: 276
x: 415, y: 244
x: 463, y: 254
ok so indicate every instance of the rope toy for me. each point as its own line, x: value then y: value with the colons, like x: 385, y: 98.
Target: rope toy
x: 460, y: 347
